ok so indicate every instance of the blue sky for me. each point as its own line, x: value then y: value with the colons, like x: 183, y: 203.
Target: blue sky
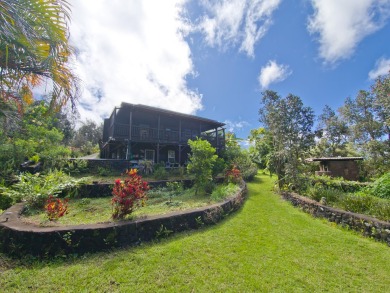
x: 214, y: 58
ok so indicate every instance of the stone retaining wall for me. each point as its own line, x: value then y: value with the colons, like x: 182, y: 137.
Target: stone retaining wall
x: 368, y: 226
x: 18, y: 238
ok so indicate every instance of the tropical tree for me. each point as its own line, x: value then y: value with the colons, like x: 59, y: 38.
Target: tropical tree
x: 381, y: 91
x: 261, y: 146
x: 87, y: 137
x: 366, y: 117
x: 290, y: 124
x: 34, y: 49
x: 201, y: 161
x: 333, y: 134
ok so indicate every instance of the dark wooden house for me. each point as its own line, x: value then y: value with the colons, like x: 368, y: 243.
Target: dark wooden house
x: 143, y: 133
x: 346, y: 167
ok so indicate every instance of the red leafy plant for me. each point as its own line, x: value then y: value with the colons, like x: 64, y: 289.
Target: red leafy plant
x: 233, y: 175
x: 128, y: 195
x: 56, y: 208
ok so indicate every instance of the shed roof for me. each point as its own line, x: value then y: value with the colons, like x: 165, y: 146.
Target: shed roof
x: 335, y: 159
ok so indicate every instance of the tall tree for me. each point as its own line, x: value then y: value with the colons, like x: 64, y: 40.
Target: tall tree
x: 366, y: 120
x: 332, y: 132
x: 290, y: 123
x: 34, y: 49
x: 261, y: 146
x: 381, y: 91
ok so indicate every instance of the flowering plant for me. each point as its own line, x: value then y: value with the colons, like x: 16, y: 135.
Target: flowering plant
x: 128, y: 194
x: 56, y: 208
x: 233, y: 175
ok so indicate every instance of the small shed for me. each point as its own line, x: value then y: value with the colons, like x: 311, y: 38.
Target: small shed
x: 346, y: 167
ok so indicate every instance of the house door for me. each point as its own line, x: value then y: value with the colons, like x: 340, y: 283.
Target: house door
x: 149, y: 155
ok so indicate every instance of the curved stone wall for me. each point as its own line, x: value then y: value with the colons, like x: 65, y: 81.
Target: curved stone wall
x: 368, y: 226
x: 18, y: 238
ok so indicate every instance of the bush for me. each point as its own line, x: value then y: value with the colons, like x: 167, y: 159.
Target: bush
x: 381, y: 187
x: 357, y: 203
x: 224, y: 191
x: 35, y: 188
x: 56, y: 208
x: 160, y: 173
x: 128, y: 195
x: 337, y: 183
x: 5, y: 199
x: 330, y: 194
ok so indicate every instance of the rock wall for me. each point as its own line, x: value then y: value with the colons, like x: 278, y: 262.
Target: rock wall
x: 18, y: 238
x: 368, y: 226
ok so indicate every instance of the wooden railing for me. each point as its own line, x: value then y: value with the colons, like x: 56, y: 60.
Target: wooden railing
x: 149, y: 134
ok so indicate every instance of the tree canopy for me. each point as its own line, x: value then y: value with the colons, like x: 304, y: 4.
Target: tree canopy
x: 34, y: 50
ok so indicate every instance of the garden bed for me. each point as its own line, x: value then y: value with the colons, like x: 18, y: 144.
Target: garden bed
x: 19, y: 238
x: 368, y: 226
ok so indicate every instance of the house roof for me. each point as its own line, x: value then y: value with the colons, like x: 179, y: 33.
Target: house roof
x: 169, y: 112
x: 334, y: 159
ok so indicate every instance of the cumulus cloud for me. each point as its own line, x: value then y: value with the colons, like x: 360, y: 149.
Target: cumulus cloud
x: 237, y: 22
x: 272, y: 73
x: 132, y: 51
x: 382, y: 67
x: 341, y: 24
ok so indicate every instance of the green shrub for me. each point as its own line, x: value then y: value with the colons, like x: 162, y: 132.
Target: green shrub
x: 337, y: 183
x: 330, y: 194
x: 160, y: 173
x: 36, y: 188
x: 357, y: 203
x: 224, y: 191
x: 381, y: 187
x: 5, y: 199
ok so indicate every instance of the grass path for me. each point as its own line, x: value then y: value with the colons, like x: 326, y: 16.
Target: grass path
x: 267, y: 246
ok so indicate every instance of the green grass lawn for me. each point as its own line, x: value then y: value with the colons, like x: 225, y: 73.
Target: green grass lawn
x: 266, y: 246
x: 99, y: 210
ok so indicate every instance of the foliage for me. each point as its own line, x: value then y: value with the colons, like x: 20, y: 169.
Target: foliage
x: 77, y: 166
x: 201, y: 162
x: 33, y: 134
x: 367, y: 119
x: 336, y: 183
x: 35, y: 188
x: 235, y: 155
x: 5, y: 199
x: 319, y: 192
x: 381, y: 91
x: 271, y: 246
x: 340, y: 195
x: 34, y: 49
x: 87, y: 138
x: 128, y: 195
x: 381, y: 187
x: 159, y: 172
x: 290, y: 124
x: 233, y: 175
x: 261, y: 147
x: 333, y: 134
x: 224, y: 191
x: 56, y: 208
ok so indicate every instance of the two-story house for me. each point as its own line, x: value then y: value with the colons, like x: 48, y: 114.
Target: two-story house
x: 139, y: 132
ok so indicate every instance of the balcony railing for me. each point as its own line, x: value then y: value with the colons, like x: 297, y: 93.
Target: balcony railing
x: 148, y: 134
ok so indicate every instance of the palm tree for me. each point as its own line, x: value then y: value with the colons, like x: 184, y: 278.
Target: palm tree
x: 34, y: 49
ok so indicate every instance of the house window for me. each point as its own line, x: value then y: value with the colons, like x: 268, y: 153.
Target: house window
x: 149, y: 155
x: 171, y: 156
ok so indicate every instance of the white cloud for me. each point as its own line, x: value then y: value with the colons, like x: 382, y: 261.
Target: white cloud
x: 132, y: 51
x: 234, y: 126
x: 382, y: 67
x: 342, y: 24
x: 232, y: 22
x: 272, y: 73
